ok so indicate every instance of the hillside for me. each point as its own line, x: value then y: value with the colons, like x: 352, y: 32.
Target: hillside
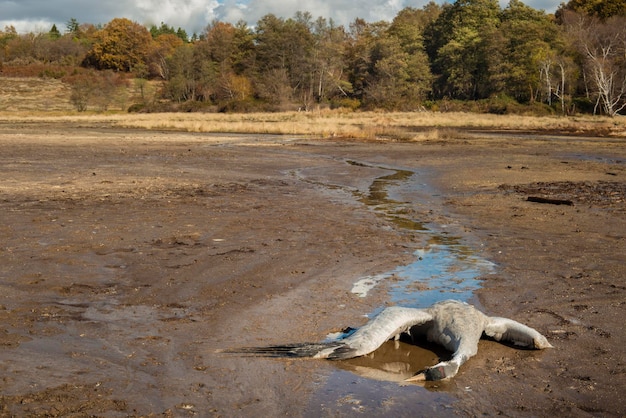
x: 30, y: 93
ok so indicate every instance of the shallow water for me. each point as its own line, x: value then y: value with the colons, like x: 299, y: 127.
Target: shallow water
x: 445, y: 267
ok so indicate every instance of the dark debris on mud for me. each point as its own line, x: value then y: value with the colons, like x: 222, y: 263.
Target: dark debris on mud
x: 604, y: 194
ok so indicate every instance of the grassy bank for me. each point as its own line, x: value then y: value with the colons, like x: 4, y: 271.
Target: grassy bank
x: 405, y: 126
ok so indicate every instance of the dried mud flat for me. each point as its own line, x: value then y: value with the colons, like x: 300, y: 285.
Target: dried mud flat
x: 129, y: 258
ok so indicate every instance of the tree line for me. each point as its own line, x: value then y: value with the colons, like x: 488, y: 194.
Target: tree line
x: 470, y: 54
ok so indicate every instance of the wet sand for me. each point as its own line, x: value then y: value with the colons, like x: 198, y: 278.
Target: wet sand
x: 129, y: 258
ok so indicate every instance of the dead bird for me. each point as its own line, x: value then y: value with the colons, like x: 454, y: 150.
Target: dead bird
x: 455, y: 325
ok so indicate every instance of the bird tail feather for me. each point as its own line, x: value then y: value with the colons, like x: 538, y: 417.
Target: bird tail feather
x: 286, y: 351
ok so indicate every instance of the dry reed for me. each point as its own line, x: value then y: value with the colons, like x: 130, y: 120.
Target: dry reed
x: 404, y: 126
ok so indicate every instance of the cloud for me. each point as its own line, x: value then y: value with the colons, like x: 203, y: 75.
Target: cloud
x: 343, y: 12
x: 187, y: 14
x: 194, y: 15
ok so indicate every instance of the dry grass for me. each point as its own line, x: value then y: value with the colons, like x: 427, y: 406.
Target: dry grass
x: 47, y: 100
x: 402, y: 126
x: 30, y: 93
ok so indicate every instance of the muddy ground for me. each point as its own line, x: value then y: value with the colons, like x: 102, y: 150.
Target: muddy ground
x: 129, y: 258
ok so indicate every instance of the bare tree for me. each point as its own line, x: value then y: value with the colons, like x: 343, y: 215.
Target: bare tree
x: 555, y: 73
x: 603, y: 45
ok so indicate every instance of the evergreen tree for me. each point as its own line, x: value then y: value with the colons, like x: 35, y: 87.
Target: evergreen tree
x: 73, y: 26
x: 460, y: 46
x: 54, y: 32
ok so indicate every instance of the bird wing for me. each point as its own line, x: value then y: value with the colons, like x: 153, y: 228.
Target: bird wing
x: 504, y: 329
x: 389, y: 323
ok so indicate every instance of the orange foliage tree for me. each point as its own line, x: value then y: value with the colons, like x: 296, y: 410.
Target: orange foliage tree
x: 121, y: 45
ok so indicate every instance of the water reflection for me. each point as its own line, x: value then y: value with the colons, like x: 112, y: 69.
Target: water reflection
x: 395, y: 361
x: 439, y: 272
x: 443, y: 269
x: 347, y: 394
x: 379, y: 199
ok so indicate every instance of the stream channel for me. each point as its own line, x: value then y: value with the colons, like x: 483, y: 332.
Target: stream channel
x: 445, y: 267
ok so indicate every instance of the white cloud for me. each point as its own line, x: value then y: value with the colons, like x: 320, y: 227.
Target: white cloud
x: 189, y: 15
x: 25, y: 26
x: 341, y: 11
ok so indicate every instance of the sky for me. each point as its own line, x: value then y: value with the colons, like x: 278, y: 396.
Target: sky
x: 194, y: 15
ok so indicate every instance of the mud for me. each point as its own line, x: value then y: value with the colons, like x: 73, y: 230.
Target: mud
x: 129, y: 258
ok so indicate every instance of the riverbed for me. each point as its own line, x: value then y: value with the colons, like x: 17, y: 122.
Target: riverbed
x: 131, y: 258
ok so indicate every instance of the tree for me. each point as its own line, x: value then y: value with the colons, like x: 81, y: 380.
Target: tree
x: 6, y: 37
x: 180, y: 85
x: 73, y: 26
x: 409, y: 25
x: 389, y: 85
x: 168, y: 30
x: 603, y: 46
x: 407, y: 30
x: 398, y: 74
x: 459, y: 44
x: 227, y: 47
x: 219, y: 42
x: 327, y: 59
x: 602, y: 9
x: 243, y: 60
x: 190, y: 75
x: 284, y: 59
x: 120, y: 46
x: 531, y: 50
x: 95, y: 88
x: 54, y: 32
x: 163, y: 48
x: 360, y: 58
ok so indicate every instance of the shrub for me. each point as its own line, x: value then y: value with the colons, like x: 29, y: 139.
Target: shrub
x: 345, y: 102
x: 136, y: 108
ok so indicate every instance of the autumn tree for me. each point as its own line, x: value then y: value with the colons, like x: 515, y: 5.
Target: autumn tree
x: 120, y: 46
x: 466, y: 50
x: 220, y: 48
x: 40, y: 48
x: 6, y: 36
x: 163, y: 48
x: 219, y: 51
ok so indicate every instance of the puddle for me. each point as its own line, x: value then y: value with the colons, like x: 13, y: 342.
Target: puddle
x: 348, y: 394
